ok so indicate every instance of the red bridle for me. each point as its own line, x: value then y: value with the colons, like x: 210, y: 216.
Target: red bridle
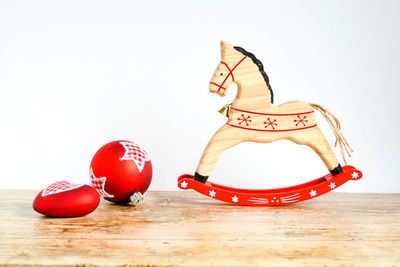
x: 230, y: 73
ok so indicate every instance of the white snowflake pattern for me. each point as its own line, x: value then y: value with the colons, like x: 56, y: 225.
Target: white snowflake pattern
x: 332, y: 185
x: 212, y: 193
x: 235, y: 199
x: 313, y: 193
x: 184, y: 184
x: 354, y: 175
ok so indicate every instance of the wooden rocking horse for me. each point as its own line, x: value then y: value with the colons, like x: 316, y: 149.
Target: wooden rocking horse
x: 252, y: 117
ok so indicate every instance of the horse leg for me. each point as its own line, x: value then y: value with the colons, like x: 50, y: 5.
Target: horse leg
x: 316, y: 140
x: 226, y: 137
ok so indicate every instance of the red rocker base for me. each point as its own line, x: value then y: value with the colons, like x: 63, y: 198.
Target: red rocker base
x: 271, y: 197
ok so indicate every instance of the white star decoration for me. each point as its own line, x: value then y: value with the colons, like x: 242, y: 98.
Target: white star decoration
x: 235, y: 199
x: 354, y: 175
x: 313, y: 193
x: 184, y: 184
x: 98, y: 184
x: 332, y: 185
x: 135, y: 153
x: 212, y: 193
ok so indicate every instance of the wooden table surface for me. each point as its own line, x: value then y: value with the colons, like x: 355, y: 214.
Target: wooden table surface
x: 331, y: 230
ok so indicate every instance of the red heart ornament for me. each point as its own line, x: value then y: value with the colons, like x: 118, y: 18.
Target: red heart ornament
x: 65, y: 199
x: 120, y: 169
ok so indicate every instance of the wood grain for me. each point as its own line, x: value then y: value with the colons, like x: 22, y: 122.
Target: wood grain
x: 334, y: 229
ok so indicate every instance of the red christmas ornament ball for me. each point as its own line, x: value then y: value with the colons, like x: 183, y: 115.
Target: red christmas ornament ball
x: 120, y: 169
x: 65, y: 199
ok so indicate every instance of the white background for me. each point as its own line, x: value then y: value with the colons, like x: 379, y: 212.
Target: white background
x: 75, y: 75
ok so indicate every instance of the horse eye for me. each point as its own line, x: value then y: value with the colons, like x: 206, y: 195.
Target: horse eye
x: 221, y: 74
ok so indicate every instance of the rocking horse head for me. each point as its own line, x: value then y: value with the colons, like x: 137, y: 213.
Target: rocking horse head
x: 240, y: 67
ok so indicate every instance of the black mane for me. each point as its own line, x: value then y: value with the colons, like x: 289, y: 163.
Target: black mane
x: 260, y: 68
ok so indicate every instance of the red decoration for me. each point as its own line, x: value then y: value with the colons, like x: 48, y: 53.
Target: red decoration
x: 120, y: 169
x: 271, y: 197
x: 64, y: 199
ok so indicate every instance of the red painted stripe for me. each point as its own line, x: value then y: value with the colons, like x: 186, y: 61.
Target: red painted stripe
x: 273, y: 114
x: 238, y: 63
x: 222, y: 84
x: 262, y: 130
x: 230, y: 71
x: 218, y: 86
x: 227, y: 76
